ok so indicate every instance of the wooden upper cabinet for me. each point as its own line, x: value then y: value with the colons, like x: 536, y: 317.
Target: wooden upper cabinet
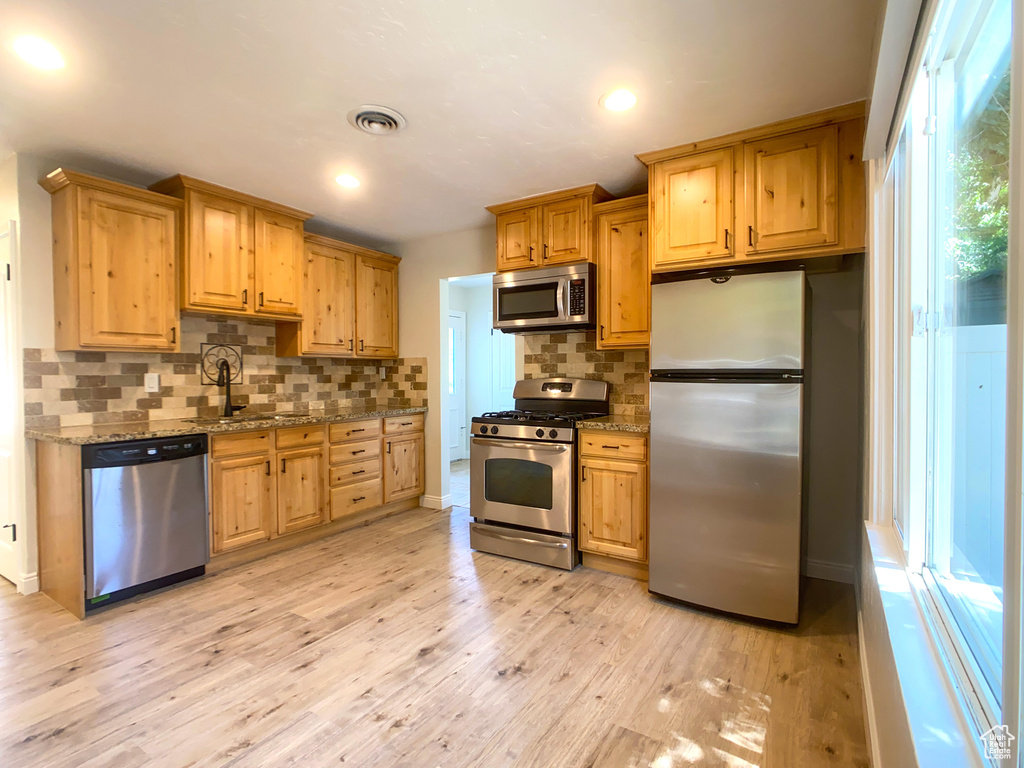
x: 115, y: 250
x: 349, y: 303
x: 217, y: 269
x: 242, y: 254
x: 797, y: 190
x: 329, y: 289
x: 376, y: 306
x: 791, y: 191
x: 566, y: 227
x: 278, y: 263
x: 623, y: 274
x: 518, y: 239
x: 549, y: 229
x: 692, y: 205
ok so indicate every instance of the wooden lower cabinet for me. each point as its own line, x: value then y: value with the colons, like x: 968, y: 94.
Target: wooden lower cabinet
x: 241, y: 501
x: 403, y: 466
x: 613, y: 495
x: 300, y: 489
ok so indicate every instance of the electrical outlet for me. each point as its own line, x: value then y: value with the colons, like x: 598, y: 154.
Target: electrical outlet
x: 383, y: 372
x: 152, y: 382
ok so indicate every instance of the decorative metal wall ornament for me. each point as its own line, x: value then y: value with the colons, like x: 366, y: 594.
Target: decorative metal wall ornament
x: 212, y: 354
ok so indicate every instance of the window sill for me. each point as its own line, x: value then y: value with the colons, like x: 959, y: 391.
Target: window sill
x: 889, y: 613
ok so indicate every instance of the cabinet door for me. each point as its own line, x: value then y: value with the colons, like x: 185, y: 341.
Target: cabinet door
x: 301, y: 490
x: 613, y: 508
x: 692, y: 209
x: 278, y: 264
x: 790, y: 199
x: 329, y: 292
x: 518, y: 232
x: 218, y: 268
x: 241, y: 501
x: 623, y: 280
x: 566, y: 228
x: 403, y: 467
x: 127, y: 282
x: 376, y: 307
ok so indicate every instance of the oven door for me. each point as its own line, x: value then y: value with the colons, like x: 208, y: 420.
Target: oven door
x: 523, y: 483
x: 530, y: 303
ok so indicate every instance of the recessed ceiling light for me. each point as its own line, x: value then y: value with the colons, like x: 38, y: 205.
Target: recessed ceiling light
x: 38, y: 52
x: 618, y: 101
x: 347, y: 180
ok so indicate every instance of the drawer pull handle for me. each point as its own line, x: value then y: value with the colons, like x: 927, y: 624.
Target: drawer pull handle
x: 284, y: 466
x: 360, y: 472
x: 406, y: 424
x: 353, y: 431
x: 268, y: 467
x: 613, y: 447
x: 361, y: 498
x: 361, y: 450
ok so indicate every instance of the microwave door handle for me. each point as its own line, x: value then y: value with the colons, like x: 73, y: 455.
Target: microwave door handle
x: 561, y: 298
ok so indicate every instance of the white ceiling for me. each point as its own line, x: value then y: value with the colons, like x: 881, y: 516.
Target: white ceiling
x: 501, y: 98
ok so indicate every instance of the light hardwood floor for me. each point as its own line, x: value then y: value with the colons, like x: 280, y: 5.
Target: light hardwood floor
x: 459, y: 485
x: 395, y: 645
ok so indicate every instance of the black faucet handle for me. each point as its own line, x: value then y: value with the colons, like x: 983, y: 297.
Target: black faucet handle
x: 237, y: 408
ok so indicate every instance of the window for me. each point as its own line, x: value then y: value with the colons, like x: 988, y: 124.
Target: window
x: 947, y: 191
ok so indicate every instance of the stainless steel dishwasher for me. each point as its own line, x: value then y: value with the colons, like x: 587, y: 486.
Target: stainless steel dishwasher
x: 146, y: 518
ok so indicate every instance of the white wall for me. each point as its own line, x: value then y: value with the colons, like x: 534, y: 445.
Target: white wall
x: 427, y: 263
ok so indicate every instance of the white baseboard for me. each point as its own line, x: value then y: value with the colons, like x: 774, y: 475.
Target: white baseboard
x: 869, y: 703
x: 436, y: 502
x: 28, y: 583
x: 820, y: 569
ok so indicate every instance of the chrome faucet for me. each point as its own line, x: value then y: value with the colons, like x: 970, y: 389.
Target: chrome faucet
x: 224, y: 380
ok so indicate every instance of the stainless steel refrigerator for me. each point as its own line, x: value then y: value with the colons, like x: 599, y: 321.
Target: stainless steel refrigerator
x: 727, y: 357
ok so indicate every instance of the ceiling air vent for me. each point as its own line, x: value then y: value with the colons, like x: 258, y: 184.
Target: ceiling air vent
x: 376, y: 120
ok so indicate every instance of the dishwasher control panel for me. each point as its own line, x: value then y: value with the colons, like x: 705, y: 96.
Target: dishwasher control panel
x: 126, y: 453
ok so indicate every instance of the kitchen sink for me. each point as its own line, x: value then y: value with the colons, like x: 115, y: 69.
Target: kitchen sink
x: 243, y: 419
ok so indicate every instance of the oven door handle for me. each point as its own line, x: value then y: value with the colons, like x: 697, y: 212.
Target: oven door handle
x: 523, y: 540
x: 560, y: 448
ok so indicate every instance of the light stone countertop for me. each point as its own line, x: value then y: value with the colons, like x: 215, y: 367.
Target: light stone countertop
x: 140, y: 430
x: 616, y: 423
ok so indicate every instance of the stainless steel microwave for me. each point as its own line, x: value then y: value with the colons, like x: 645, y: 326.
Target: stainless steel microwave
x: 558, y: 298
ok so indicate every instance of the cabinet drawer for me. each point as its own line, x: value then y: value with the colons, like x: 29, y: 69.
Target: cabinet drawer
x: 354, y: 430
x: 240, y: 443
x: 396, y: 425
x: 296, y: 437
x: 350, y: 499
x: 614, y: 445
x: 364, y: 449
x: 355, y: 471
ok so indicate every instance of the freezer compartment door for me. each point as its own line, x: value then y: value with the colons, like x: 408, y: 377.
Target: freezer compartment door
x: 725, y: 506
x: 144, y: 522
x: 741, y: 321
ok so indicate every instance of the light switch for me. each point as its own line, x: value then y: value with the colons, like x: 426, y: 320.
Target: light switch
x: 383, y: 373
x: 152, y: 382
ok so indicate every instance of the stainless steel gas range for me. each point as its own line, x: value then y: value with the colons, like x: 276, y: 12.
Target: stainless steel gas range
x: 523, y: 471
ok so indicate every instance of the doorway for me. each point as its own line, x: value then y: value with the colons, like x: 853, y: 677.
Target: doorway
x: 9, y: 414
x: 487, y: 361
x: 457, y: 447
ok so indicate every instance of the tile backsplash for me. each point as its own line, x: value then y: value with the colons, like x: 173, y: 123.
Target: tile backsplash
x: 576, y: 354
x: 76, y: 388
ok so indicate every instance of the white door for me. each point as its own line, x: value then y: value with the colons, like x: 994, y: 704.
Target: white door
x: 503, y: 370
x: 457, y: 385
x: 9, y: 396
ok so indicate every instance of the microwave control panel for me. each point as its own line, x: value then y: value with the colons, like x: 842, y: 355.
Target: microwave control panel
x: 577, y: 297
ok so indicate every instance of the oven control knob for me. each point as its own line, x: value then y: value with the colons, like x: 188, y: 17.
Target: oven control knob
x: 494, y: 430
x: 553, y: 433
x: 540, y: 433
x: 483, y: 430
